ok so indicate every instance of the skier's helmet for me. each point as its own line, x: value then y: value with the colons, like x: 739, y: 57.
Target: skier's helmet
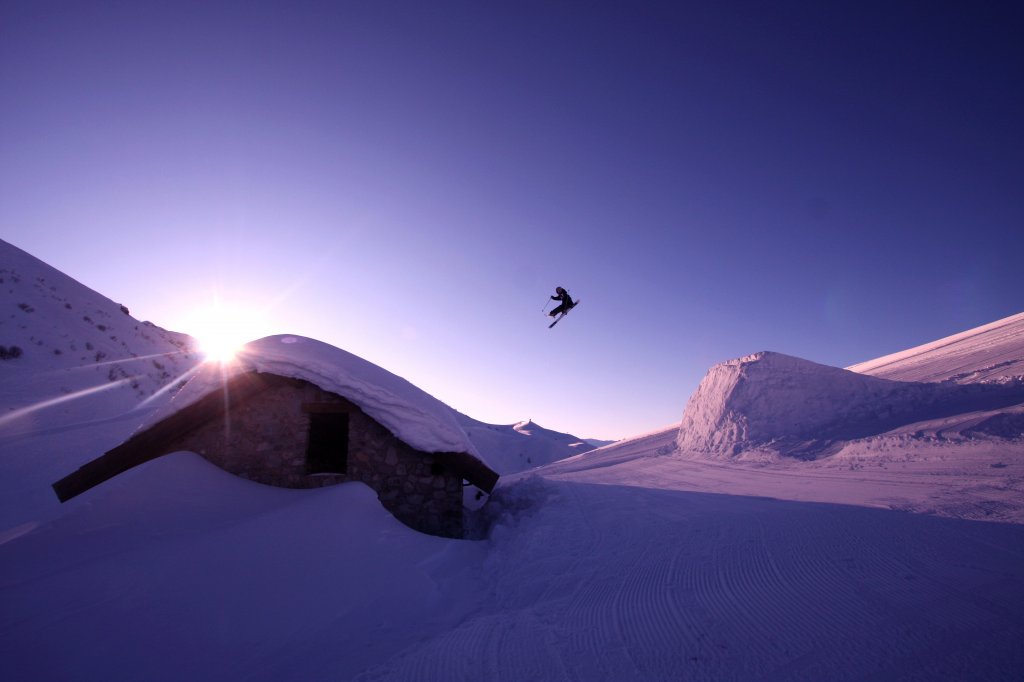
x: 559, y: 290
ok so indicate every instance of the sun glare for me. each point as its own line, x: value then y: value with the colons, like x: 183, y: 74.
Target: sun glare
x: 222, y: 330
x: 219, y: 348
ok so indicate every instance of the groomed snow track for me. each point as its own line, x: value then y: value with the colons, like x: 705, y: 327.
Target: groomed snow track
x: 717, y: 587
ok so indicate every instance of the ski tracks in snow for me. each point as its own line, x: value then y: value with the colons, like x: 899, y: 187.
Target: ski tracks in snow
x: 604, y: 582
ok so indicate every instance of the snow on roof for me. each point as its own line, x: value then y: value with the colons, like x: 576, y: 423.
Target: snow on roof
x: 414, y: 416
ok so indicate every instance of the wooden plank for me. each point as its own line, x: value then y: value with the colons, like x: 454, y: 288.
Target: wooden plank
x: 160, y: 439
x: 470, y: 468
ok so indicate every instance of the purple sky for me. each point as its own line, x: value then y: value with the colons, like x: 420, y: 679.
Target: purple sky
x: 410, y: 180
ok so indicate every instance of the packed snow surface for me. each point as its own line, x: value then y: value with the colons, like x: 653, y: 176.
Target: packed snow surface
x: 605, y: 569
x: 989, y: 352
x: 414, y: 416
x: 177, y: 570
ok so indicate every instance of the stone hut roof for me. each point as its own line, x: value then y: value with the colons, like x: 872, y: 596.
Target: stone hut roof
x: 412, y: 415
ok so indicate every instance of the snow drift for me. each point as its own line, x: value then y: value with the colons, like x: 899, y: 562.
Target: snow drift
x: 790, y: 406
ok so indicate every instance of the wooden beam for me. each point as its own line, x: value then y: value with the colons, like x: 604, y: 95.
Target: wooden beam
x: 470, y: 468
x: 160, y: 439
x: 329, y: 408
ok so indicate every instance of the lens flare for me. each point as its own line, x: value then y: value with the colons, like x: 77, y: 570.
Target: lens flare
x: 219, y: 347
x: 221, y: 330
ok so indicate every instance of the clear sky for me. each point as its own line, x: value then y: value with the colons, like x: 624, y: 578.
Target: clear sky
x: 409, y: 181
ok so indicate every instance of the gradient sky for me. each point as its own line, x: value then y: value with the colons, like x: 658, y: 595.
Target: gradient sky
x: 409, y: 181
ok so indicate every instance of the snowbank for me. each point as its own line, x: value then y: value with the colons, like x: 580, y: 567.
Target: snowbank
x: 771, y: 401
x: 253, y: 582
x: 414, y: 416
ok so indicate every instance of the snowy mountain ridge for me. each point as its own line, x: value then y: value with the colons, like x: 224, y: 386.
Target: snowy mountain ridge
x: 69, y: 338
x: 517, y: 447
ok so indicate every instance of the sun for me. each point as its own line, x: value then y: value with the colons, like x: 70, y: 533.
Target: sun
x: 221, y: 329
x: 219, y: 346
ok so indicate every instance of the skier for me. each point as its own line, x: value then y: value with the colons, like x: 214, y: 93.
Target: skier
x: 566, y: 305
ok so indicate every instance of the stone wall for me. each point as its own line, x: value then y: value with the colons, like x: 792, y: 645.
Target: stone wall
x: 265, y: 439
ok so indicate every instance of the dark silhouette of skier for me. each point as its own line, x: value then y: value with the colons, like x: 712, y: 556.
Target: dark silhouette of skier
x: 566, y: 302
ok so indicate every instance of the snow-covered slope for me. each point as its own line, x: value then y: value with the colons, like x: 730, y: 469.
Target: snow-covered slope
x: 990, y: 352
x: 58, y: 337
x: 218, y: 578
x: 521, y: 446
x: 605, y: 573
x: 78, y: 374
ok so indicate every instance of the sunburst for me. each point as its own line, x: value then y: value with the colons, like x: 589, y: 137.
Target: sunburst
x: 222, y: 329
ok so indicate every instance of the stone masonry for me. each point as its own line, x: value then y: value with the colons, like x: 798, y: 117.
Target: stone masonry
x: 265, y: 438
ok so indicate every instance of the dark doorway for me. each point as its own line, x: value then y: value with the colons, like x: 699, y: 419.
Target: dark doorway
x: 327, y: 452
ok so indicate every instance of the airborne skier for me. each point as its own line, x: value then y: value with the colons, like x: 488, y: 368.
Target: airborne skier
x: 563, y: 296
x: 564, y: 307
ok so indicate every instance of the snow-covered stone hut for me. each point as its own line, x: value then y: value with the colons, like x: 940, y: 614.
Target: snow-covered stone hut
x: 298, y: 413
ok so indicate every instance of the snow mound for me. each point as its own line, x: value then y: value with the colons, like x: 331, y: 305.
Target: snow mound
x: 790, y: 406
x: 414, y: 416
x: 231, y: 570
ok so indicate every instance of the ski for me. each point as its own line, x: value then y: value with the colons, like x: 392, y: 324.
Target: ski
x: 557, y: 319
